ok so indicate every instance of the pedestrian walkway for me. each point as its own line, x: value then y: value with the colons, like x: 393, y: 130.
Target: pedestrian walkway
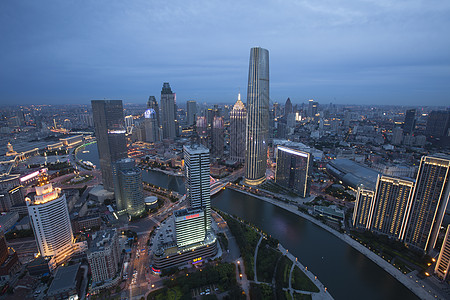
x: 254, y: 260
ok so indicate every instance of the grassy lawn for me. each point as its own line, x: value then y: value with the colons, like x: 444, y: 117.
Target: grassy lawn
x: 265, y: 264
x: 298, y: 296
x: 247, y: 239
x: 301, y: 282
x: 283, y: 270
x: 260, y: 291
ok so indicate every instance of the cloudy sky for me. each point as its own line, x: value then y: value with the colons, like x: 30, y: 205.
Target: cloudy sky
x: 346, y: 52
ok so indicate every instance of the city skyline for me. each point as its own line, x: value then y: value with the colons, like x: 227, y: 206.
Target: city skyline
x: 347, y: 53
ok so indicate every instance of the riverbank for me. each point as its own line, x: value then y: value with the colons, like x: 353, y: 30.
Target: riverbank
x: 403, y: 279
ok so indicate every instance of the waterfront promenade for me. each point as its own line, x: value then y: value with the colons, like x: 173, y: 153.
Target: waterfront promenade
x: 415, y: 287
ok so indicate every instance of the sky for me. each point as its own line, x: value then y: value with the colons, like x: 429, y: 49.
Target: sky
x: 344, y: 52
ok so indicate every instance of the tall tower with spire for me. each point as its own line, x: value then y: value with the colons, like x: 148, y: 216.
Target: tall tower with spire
x: 238, y: 118
x: 257, y: 117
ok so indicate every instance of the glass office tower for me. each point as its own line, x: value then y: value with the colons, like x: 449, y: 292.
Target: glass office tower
x: 257, y: 116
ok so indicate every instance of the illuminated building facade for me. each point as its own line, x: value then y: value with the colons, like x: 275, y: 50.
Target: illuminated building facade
x: 430, y: 198
x: 443, y: 263
x: 392, y: 200
x: 189, y: 226
x: 50, y: 220
x: 238, y: 118
x: 257, y: 116
x: 110, y: 133
x: 363, y: 205
x: 168, y: 112
x: 293, y: 170
x: 128, y: 187
x: 196, y: 161
x: 203, y: 131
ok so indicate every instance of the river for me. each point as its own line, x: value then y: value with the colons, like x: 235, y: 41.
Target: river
x: 344, y: 271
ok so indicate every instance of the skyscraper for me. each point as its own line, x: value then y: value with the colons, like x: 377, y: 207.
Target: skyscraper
x: 430, y: 198
x: 191, y: 112
x: 110, y: 133
x: 238, y: 117
x: 168, y: 112
x: 257, y: 116
x: 410, y: 122
x: 196, y: 161
x: 151, y: 126
x: 128, y: 187
x: 392, y: 200
x: 153, y: 104
x: 190, y: 226
x: 217, y: 138
x: 50, y: 220
x: 293, y: 170
x: 438, y: 123
x: 288, y: 107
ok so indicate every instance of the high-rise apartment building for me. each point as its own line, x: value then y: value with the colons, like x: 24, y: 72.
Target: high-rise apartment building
x: 442, y: 268
x: 430, y: 198
x: 362, y: 210
x: 110, y: 133
x: 196, y: 162
x: 191, y: 107
x: 238, y: 118
x: 50, y: 220
x: 104, y: 255
x: 397, y: 136
x: 257, y: 116
x: 128, y: 187
x: 168, y: 112
x: 217, y: 138
x: 293, y: 170
x: 410, y: 121
x: 203, y: 132
x: 190, y: 226
x: 392, y: 200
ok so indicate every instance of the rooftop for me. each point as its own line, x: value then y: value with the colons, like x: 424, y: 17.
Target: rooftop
x: 65, y: 279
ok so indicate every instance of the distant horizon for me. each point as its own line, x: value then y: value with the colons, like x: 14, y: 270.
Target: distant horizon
x: 340, y: 52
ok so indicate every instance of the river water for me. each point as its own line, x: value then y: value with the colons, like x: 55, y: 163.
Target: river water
x: 344, y: 271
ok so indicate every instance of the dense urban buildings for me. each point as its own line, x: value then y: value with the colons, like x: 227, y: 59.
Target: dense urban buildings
x: 238, y: 119
x: 257, y: 117
x: 128, y: 187
x: 430, y: 198
x: 168, y: 112
x: 196, y: 162
x: 293, y: 170
x: 110, y: 133
x: 50, y: 220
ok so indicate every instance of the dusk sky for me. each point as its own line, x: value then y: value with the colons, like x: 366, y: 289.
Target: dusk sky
x: 345, y: 52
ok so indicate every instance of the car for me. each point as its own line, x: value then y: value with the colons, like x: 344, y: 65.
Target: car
x: 202, y: 293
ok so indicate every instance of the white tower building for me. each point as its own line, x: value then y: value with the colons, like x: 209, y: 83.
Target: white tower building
x: 196, y: 161
x: 51, y: 223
